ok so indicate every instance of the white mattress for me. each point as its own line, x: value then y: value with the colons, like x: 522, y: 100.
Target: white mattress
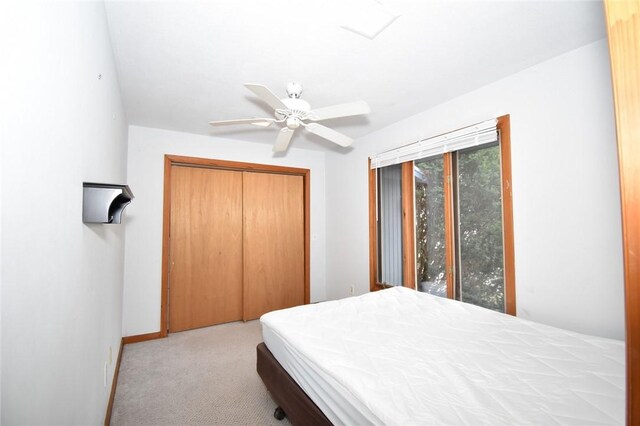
x: 401, y: 357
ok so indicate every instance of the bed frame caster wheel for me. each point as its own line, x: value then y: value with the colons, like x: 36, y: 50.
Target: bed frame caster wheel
x: 279, y: 413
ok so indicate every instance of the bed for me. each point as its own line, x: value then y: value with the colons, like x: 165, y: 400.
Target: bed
x: 401, y: 357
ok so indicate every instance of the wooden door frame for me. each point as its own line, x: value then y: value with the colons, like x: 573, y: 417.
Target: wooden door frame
x: 176, y: 160
x: 623, y: 24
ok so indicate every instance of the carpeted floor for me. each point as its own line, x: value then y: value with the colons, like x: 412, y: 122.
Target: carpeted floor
x: 205, y: 376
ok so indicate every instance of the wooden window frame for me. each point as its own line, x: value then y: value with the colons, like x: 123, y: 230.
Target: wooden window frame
x: 408, y: 223
x: 449, y: 234
x: 176, y: 160
x: 408, y: 227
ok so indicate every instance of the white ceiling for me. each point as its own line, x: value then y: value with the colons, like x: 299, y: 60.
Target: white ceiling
x: 182, y: 64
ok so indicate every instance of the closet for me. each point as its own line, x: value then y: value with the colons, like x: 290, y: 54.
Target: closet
x: 235, y: 241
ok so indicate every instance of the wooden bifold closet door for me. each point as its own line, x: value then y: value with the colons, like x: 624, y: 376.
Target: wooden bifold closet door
x: 236, y: 245
x: 205, y: 267
x: 273, y: 243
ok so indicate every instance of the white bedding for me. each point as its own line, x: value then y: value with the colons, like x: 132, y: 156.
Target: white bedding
x: 401, y: 357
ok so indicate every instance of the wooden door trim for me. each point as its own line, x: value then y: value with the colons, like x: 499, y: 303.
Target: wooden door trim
x: 307, y: 222
x: 166, y: 226
x: 623, y: 26
x: 177, y: 160
x: 213, y: 163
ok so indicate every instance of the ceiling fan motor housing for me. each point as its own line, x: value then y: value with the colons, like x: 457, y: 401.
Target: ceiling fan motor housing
x: 295, y: 108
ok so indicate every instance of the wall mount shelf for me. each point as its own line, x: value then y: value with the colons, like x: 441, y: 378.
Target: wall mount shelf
x: 104, y: 203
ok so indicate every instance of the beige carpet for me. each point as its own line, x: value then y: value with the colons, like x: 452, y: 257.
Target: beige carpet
x: 205, y: 376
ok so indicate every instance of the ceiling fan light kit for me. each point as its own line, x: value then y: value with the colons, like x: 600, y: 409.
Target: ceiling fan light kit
x: 294, y: 112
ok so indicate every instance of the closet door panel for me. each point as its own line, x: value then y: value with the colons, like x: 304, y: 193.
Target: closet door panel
x: 205, y: 278
x: 273, y: 210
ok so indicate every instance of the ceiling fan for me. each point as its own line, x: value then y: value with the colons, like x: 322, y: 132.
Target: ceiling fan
x: 295, y: 112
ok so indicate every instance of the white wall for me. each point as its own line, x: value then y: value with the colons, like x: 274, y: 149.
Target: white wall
x: 61, y: 279
x: 4, y: 32
x: 143, y: 266
x: 565, y: 190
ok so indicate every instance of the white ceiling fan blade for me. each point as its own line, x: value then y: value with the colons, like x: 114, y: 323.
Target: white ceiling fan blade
x: 329, y: 134
x: 262, y: 122
x: 266, y: 95
x: 282, y: 142
x: 341, y: 110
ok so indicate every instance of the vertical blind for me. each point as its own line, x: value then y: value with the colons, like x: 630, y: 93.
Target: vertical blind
x: 390, y: 197
x: 474, y: 135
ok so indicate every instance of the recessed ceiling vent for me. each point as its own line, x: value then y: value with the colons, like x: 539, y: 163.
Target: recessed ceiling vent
x: 368, y: 18
x: 104, y: 203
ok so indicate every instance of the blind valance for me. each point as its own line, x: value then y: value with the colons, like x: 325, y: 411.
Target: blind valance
x: 474, y: 135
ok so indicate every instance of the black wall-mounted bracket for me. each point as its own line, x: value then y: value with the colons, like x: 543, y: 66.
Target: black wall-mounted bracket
x: 104, y: 203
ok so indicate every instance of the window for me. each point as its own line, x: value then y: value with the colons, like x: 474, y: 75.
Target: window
x: 430, y: 231
x: 479, y: 274
x: 443, y: 224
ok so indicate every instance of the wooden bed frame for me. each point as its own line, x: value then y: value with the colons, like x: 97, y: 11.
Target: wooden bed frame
x: 290, y: 397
